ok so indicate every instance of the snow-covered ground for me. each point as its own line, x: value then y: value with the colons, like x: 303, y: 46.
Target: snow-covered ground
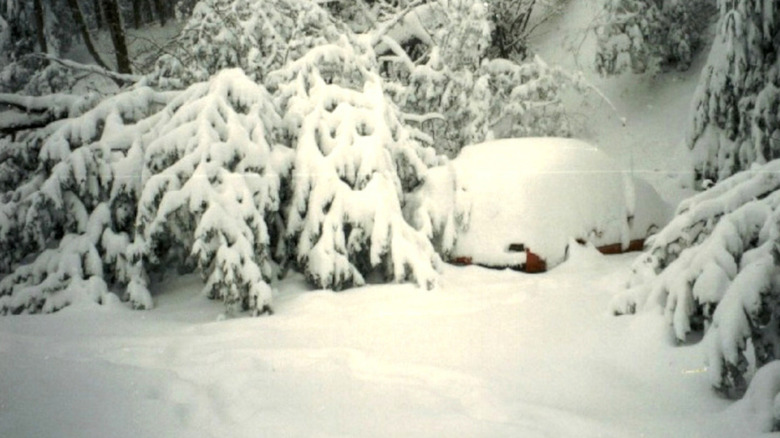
x: 489, y: 354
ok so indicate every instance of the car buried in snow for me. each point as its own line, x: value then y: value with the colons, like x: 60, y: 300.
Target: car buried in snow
x: 519, y: 203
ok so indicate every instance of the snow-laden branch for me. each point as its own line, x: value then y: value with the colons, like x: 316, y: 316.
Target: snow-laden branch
x: 13, y: 122
x: 119, y: 78
x: 421, y: 118
x: 31, y: 112
x: 400, y: 53
x: 384, y: 28
x: 55, y: 103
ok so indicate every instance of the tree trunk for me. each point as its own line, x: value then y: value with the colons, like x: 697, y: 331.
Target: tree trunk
x: 137, y: 13
x: 159, y: 7
x: 97, y: 10
x: 78, y: 18
x: 148, y: 10
x: 117, y: 31
x: 40, y: 31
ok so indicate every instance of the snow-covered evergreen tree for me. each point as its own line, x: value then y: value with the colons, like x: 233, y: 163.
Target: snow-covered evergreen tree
x: 650, y: 35
x: 715, y: 269
x: 355, y: 161
x: 224, y: 176
x: 735, y: 120
x: 61, y: 221
x: 213, y: 174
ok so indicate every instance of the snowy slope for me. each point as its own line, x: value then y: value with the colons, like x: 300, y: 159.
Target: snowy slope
x: 655, y: 107
x: 490, y: 354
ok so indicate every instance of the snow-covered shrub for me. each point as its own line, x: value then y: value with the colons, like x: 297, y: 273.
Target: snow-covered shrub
x: 462, y: 34
x: 454, y: 96
x: 513, y: 21
x: 430, y: 67
x: 62, y: 220
x: 525, y: 100
x: 501, y: 99
x: 735, y: 109
x: 211, y: 188
x: 714, y: 268
x: 437, y: 101
x: 257, y: 36
x: 361, y: 16
x: 648, y: 35
x: 354, y: 163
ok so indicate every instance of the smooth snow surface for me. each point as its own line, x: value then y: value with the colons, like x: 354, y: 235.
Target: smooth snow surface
x: 489, y: 354
x: 542, y: 192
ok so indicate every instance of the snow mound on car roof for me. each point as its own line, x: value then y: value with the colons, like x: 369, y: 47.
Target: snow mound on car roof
x: 542, y: 192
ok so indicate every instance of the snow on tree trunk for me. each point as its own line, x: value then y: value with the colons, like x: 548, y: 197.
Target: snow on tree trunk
x: 354, y: 164
x: 211, y: 187
x: 735, y: 121
x: 714, y: 269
